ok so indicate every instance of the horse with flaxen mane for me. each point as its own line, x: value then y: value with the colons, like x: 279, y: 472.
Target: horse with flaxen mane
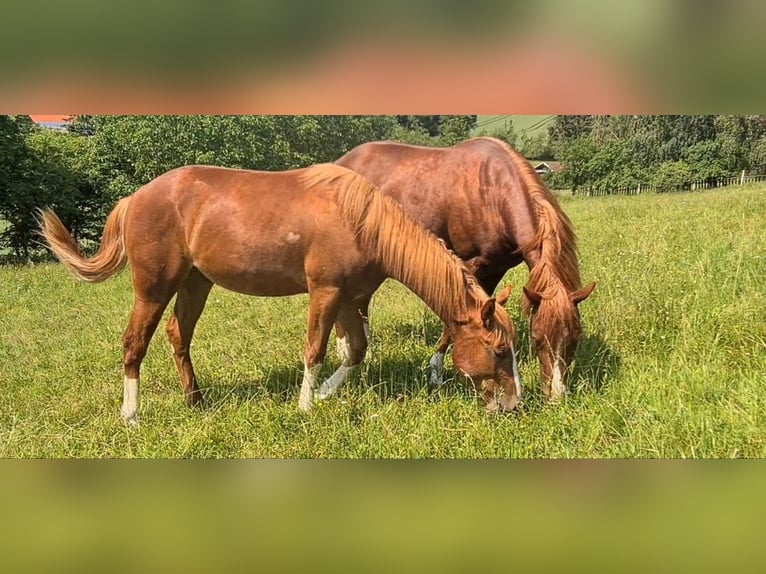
x: 486, y: 202
x: 324, y: 230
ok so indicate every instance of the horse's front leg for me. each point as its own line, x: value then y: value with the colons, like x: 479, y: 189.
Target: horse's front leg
x: 323, y: 307
x: 436, y: 363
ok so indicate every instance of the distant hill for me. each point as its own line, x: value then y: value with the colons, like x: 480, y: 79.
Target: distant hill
x: 521, y: 124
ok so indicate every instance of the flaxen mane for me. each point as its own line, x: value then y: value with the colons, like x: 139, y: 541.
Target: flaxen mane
x: 406, y: 251
x: 557, y: 273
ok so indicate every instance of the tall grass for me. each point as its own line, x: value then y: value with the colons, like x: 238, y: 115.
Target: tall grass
x: 671, y: 363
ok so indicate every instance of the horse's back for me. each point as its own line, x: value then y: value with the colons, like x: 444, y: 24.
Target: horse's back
x: 249, y: 231
x: 449, y: 190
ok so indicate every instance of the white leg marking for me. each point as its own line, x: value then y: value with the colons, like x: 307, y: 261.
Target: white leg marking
x: 129, y: 409
x: 437, y: 369
x: 343, y: 349
x: 310, y: 375
x: 332, y: 384
x: 516, y: 377
x: 557, y: 384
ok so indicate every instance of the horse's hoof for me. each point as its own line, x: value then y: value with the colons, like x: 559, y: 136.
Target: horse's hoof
x: 130, y: 420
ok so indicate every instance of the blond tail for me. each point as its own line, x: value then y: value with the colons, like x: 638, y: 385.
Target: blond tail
x: 110, y: 258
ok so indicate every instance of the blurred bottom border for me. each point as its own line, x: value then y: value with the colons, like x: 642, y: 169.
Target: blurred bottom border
x: 381, y: 515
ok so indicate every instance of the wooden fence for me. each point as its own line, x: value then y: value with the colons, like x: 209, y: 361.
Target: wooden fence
x: 691, y: 186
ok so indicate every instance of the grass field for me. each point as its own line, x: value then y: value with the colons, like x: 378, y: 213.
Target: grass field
x: 671, y: 364
x: 529, y: 124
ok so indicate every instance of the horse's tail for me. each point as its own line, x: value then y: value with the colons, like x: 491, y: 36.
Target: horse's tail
x: 111, y: 256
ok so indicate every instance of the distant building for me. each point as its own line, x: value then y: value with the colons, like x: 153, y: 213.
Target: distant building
x: 544, y: 167
x: 51, y: 122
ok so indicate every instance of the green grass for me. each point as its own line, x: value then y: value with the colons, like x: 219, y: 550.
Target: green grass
x: 529, y: 124
x: 671, y: 363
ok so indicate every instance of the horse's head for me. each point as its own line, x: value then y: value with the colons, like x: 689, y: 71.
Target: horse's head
x: 484, y: 351
x: 555, y: 330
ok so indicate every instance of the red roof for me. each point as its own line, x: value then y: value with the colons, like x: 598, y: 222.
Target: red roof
x: 50, y: 119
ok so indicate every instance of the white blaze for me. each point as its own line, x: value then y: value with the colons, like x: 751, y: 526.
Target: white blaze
x: 557, y: 384
x: 516, y: 377
x: 334, y: 382
x: 437, y: 369
x: 129, y: 409
x: 310, y: 375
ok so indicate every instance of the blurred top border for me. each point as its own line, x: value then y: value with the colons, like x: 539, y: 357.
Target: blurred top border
x: 347, y: 57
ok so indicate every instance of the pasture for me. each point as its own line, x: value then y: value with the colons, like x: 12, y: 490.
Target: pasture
x: 672, y: 362
x: 530, y: 125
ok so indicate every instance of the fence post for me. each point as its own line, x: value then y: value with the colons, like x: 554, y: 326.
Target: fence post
x: 742, y: 180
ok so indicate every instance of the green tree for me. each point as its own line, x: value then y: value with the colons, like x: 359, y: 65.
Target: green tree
x: 732, y: 135
x: 18, y: 196
x: 505, y: 133
x: 576, y: 156
x: 672, y: 176
x: 454, y: 129
x: 433, y: 125
x: 565, y: 130
x: 60, y: 179
x: 757, y: 156
x: 705, y: 160
x: 536, y: 146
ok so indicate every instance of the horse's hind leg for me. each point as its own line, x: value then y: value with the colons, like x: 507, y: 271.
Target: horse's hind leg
x: 354, y: 341
x: 155, y: 281
x: 190, y: 302
x: 143, y: 322
x: 342, y: 343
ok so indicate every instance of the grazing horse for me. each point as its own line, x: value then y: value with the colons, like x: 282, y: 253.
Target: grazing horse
x: 324, y: 230
x: 486, y: 202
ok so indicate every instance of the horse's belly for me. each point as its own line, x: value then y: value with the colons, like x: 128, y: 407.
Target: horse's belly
x: 261, y: 284
x: 256, y: 276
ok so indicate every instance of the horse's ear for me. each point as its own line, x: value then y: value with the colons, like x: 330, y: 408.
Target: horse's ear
x: 502, y: 297
x: 582, y: 294
x: 533, y: 296
x: 488, y: 310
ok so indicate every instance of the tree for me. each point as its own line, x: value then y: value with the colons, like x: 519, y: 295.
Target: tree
x: 505, y: 133
x: 757, y: 156
x: 18, y: 197
x: 577, y: 156
x: 565, y: 130
x: 672, y: 176
x: 732, y: 135
x: 705, y: 160
x: 433, y: 125
x: 536, y: 146
x: 454, y: 129
x: 60, y: 178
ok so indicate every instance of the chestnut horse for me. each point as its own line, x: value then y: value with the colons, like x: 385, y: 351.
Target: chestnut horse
x: 485, y: 200
x: 324, y: 230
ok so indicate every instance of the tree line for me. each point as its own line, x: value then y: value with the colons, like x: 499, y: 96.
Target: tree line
x: 666, y: 152
x: 82, y: 171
